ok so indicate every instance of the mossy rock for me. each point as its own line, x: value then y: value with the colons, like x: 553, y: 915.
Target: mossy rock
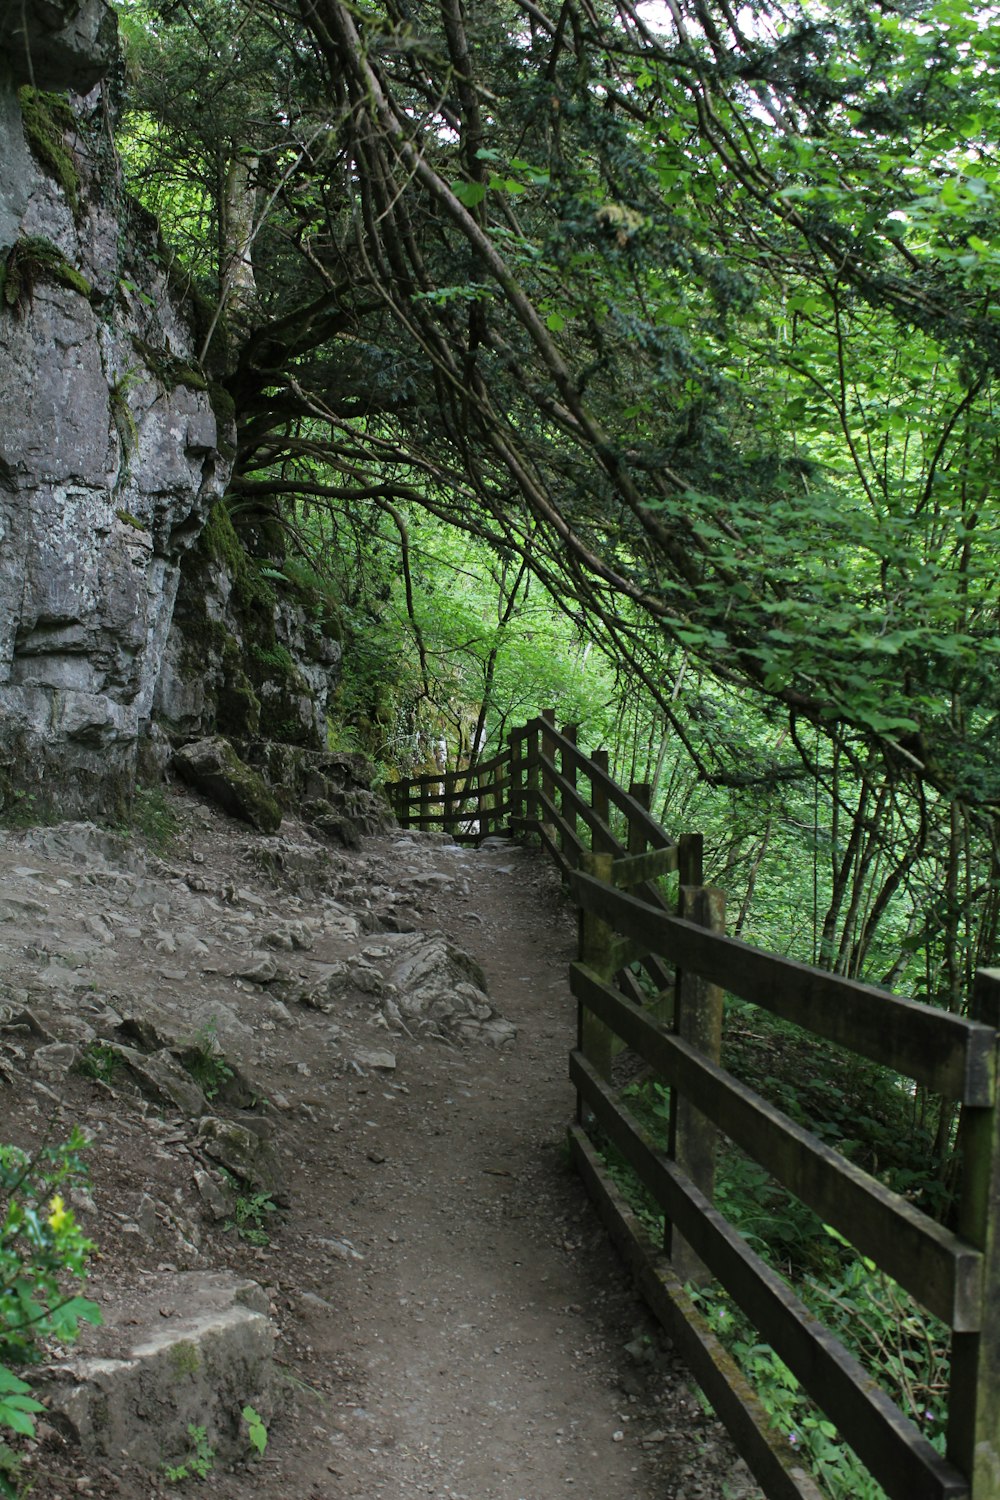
x: 128, y: 519
x: 237, y: 705
x: 212, y: 766
x: 168, y: 369
x: 31, y: 260
x: 47, y: 118
x: 242, y: 1153
x: 225, y: 418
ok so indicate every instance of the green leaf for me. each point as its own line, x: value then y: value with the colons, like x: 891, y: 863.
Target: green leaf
x: 469, y: 193
x: 257, y: 1427
x: 16, y: 1413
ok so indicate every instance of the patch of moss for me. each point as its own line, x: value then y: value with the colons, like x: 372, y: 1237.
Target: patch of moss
x: 219, y: 541
x: 33, y: 259
x: 168, y: 369
x: 276, y: 659
x: 262, y: 688
x: 47, y: 118
x: 237, y: 707
x: 185, y: 1359
x: 128, y: 519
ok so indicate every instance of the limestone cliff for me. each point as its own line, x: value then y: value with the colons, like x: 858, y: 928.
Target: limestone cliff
x: 132, y: 618
x: 110, y: 448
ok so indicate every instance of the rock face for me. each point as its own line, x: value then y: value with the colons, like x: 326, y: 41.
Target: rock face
x: 133, y: 619
x: 254, y: 649
x: 59, y: 44
x: 111, y: 447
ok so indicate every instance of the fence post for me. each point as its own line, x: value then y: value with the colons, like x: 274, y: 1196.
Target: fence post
x: 641, y: 792
x: 400, y: 801
x: 599, y: 802
x: 974, y: 1397
x: 533, y: 809
x: 567, y: 766
x: 698, y: 1021
x: 690, y: 856
x: 548, y: 717
x: 548, y: 749
x: 594, y: 1039
x: 487, y: 802
x: 515, y: 794
x: 425, y: 801
x: 452, y: 798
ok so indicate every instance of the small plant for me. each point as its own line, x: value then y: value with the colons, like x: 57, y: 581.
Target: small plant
x: 249, y: 1217
x: 257, y: 1428
x: 98, y: 1061
x: 154, y: 819
x: 199, y: 1461
x: 41, y: 1250
x: 204, y: 1061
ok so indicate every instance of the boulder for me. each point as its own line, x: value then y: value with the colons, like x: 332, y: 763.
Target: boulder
x: 160, y: 1078
x: 197, y: 1348
x: 243, y: 1153
x: 439, y: 987
x: 212, y: 766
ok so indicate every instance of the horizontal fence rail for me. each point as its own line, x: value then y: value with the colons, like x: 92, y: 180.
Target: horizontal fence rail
x: 651, y: 977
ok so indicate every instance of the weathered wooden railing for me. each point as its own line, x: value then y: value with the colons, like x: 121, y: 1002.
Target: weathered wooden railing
x: 613, y: 869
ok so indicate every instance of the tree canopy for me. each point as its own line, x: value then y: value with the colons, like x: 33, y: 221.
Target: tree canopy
x: 689, y: 312
x: 697, y: 318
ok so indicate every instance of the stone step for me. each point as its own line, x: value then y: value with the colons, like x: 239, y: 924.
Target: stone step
x: 189, y: 1349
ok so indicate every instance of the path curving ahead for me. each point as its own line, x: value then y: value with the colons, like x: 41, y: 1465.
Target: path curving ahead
x: 488, y: 1346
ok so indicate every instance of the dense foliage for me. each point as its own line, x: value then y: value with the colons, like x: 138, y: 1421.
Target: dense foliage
x: 688, y: 317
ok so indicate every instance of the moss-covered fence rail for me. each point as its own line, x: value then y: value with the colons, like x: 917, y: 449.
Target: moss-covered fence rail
x: 651, y: 976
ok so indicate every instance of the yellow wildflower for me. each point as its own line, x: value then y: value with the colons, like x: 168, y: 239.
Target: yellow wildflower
x: 58, y: 1213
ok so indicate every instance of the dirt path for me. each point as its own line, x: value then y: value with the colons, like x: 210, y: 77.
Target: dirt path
x: 452, y: 1317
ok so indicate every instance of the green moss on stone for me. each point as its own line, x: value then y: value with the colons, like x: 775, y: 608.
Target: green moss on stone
x: 238, y: 707
x: 168, y: 369
x: 128, y: 519
x: 185, y: 1359
x: 33, y: 259
x: 219, y: 542
x: 225, y: 418
x: 47, y: 118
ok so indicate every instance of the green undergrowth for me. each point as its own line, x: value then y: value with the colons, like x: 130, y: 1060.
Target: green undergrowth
x: 251, y: 1214
x: 204, y: 1060
x: 866, y: 1114
x: 43, y: 1261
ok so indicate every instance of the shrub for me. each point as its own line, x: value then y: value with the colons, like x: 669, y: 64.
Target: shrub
x: 43, y: 1259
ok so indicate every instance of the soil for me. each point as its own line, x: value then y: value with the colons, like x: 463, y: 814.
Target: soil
x: 450, y: 1316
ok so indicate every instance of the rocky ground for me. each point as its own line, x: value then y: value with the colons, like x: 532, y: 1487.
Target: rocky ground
x: 339, y: 1075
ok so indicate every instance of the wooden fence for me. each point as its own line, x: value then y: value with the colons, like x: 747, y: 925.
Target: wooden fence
x: 613, y: 854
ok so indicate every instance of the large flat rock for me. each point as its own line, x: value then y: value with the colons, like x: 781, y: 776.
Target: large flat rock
x: 190, y: 1348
